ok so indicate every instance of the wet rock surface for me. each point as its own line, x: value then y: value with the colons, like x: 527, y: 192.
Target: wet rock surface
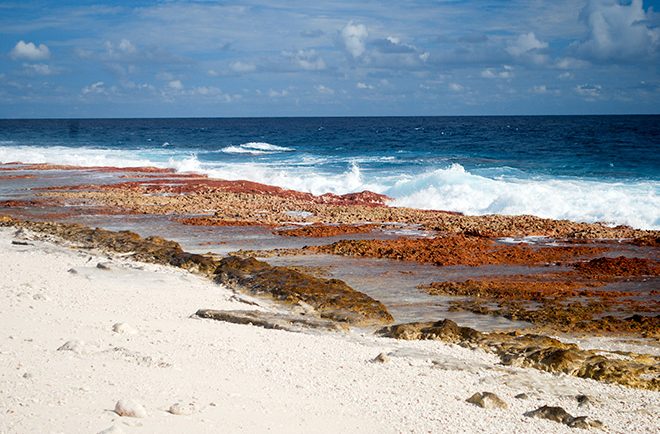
x: 318, y: 230
x: 454, y: 250
x: 538, y: 352
x: 332, y: 298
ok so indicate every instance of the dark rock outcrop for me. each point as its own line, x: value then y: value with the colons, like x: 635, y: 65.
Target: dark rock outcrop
x: 538, y: 352
x: 331, y: 298
x: 269, y: 320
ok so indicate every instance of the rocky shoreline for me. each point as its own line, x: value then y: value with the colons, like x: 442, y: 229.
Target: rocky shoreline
x: 313, y: 297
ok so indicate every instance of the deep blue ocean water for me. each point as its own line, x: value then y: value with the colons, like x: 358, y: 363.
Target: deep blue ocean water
x: 585, y: 168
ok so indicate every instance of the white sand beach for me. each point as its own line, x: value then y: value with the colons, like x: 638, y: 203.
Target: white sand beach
x: 242, y: 378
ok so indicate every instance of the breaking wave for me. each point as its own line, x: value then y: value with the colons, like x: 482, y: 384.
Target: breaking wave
x: 452, y: 188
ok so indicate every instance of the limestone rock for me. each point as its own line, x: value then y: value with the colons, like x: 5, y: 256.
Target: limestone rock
x: 381, y: 358
x: 443, y: 330
x: 558, y: 414
x: 270, y: 320
x: 124, y: 328
x: 487, y: 400
x: 182, y: 409
x: 585, y: 422
x: 129, y: 408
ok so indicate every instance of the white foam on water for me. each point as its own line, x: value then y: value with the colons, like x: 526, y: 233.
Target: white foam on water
x: 453, y: 188
x: 255, y: 148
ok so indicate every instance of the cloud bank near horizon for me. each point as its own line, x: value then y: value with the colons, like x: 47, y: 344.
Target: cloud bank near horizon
x: 261, y: 58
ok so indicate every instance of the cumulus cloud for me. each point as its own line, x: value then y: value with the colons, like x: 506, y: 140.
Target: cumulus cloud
x: 524, y: 44
x: 324, y: 90
x: 589, y: 91
x: 94, y: 88
x: 353, y: 37
x: 618, y: 31
x: 277, y: 93
x: 455, y: 87
x: 30, y: 51
x: 361, y: 85
x: 505, y: 72
x: 175, y: 85
x: 242, y: 67
x: 307, y: 60
x: 541, y: 89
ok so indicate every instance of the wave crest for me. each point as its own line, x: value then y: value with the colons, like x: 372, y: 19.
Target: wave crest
x: 256, y: 148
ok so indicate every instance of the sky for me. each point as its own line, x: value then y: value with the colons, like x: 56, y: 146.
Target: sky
x: 328, y: 58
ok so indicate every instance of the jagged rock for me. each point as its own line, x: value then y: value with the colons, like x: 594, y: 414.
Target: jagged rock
x: 538, y: 352
x: 270, y: 320
x: 182, y: 409
x: 129, y: 408
x: 443, y: 330
x: 381, y: 358
x: 585, y: 422
x: 331, y: 298
x: 555, y: 414
x: 487, y: 400
x: 558, y: 414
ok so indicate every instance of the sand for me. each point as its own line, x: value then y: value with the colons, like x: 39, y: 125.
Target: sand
x: 240, y: 378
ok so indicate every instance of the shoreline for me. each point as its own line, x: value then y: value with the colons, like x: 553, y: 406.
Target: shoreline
x: 507, y: 268
x: 228, y: 371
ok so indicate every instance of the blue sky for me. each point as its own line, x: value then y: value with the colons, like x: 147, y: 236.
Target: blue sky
x: 305, y: 58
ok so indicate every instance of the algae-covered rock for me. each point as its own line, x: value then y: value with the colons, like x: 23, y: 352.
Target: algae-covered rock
x: 331, y: 298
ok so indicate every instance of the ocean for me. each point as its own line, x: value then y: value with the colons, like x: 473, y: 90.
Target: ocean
x: 582, y: 168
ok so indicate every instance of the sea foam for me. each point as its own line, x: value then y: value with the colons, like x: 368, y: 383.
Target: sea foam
x: 255, y: 148
x: 452, y: 188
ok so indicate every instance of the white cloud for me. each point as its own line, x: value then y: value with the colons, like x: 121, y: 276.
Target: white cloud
x: 353, y: 37
x: 39, y: 69
x: 505, y: 72
x: 324, y: 90
x: 618, y: 31
x: 30, y: 51
x: 424, y: 56
x: 541, y: 89
x: 571, y: 63
x: 308, y: 60
x: 239, y: 66
x: 276, y: 94
x: 455, y: 87
x: 94, y: 88
x: 125, y: 49
x: 175, y: 84
x: 524, y: 44
x: 588, y: 91
x: 565, y: 75
x: 361, y: 85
